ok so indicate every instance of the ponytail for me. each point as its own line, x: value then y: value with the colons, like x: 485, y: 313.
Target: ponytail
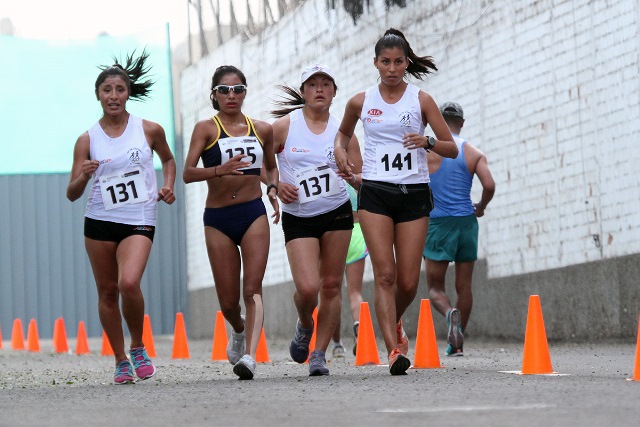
x: 418, y: 65
x: 132, y: 72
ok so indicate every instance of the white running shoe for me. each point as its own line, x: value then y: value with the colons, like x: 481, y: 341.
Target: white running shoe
x: 245, y: 368
x: 236, y: 345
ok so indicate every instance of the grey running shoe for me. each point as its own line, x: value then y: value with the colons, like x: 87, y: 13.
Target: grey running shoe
x: 245, y: 368
x: 299, y: 347
x: 318, y: 364
x: 236, y: 346
x: 338, y: 351
x: 454, y: 332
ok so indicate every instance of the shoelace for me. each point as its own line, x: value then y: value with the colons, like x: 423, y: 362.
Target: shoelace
x: 139, y: 358
x: 316, y: 359
x: 123, y: 369
x: 303, y: 340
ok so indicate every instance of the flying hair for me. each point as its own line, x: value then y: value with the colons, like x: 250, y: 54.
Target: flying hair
x: 132, y: 71
x: 291, y: 101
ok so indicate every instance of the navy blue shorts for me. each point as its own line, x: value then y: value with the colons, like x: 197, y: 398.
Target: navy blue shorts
x: 234, y: 220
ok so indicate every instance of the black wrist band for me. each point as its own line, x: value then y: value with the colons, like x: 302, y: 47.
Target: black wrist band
x: 270, y: 186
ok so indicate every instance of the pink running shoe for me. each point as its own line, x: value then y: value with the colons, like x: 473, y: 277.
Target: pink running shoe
x: 142, y: 364
x: 124, y: 373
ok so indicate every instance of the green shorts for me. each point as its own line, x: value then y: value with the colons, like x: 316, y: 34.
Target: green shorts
x: 452, y: 238
x: 357, y: 246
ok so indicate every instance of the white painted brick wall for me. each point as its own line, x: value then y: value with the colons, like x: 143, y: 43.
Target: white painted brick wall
x: 551, y: 94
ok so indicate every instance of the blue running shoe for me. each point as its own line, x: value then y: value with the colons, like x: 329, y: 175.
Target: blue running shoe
x: 317, y: 364
x: 451, y: 352
x: 299, y: 347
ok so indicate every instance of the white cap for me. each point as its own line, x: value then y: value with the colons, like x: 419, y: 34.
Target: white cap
x: 317, y: 69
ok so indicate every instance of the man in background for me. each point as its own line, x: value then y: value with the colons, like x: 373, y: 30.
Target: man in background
x: 453, y: 226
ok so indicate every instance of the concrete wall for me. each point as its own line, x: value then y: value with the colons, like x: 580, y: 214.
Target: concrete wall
x: 551, y: 94
x: 580, y: 303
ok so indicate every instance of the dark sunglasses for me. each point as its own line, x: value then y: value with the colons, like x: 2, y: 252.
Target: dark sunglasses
x: 224, y: 89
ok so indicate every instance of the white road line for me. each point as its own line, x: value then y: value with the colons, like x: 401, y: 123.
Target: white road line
x: 466, y: 408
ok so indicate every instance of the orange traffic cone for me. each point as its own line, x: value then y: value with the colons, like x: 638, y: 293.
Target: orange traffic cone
x: 220, y: 339
x: 636, y: 369
x: 262, y: 353
x: 536, y: 359
x: 17, y: 337
x: 366, y: 348
x: 60, y: 336
x: 312, y: 343
x: 180, y: 345
x: 82, y: 344
x: 33, y: 343
x: 147, y: 337
x: 426, y: 353
x: 107, y: 350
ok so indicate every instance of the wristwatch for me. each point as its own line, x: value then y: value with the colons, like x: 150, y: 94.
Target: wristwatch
x: 270, y: 186
x: 431, y: 142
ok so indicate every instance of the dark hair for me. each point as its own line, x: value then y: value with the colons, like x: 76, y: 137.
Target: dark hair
x: 418, y: 65
x: 293, y: 102
x: 133, y: 70
x: 454, y: 120
x: 220, y: 72
x: 289, y: 103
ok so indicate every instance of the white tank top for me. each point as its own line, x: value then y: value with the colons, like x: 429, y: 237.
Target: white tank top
x: 385, y: 159
x: 307, y: 161
x: 124, y: 188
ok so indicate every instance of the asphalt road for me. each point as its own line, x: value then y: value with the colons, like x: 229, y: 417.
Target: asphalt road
x: 64, y: 389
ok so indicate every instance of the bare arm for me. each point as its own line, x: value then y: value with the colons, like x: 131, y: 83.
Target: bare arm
x: 265, y: 131
x: 204, y: 132
x: 82, y: 168
x: 345, y: 133
x: 488, y: 185
x: 477, y: 163
x: 445, y: 145
x: 287, y: 192
x: 158, y: 141
x: 355, y: 159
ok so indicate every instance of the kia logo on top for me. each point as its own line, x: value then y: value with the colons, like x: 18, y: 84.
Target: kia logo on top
x: 374, y: 112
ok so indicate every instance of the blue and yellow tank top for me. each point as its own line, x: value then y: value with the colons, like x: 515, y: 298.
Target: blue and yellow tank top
x: 224, y: 147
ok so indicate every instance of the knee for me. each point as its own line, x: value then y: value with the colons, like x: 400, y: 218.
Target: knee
x: 386, y: 279
x: 129, y: 288
x: 307, y: 293
x: 331, y: 288
x: 108, y: 295
x: 228, y: 310
x: 435, y: 292
x: 408, y: 289
x: 249, y: 297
